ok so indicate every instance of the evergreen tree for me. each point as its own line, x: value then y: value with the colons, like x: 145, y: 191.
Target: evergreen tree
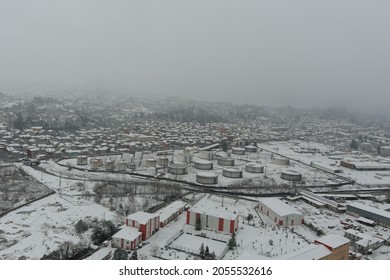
x: 232, y: 241
x: 210, y: 256
x: 120, y: 254
x: 354, y: 144
x: 201, y: 251
x: 134, y: 256
x: 81, y: 227
x: 206, y: 251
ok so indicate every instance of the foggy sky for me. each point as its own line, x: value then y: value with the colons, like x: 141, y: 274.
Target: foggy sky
x: 302, y: 53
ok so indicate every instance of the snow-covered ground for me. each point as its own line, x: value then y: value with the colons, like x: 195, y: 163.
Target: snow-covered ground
x: 38, y: 228
x: 327, y: 156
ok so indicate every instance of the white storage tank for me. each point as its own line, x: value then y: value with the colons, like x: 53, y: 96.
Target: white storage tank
x: 110, y: 164
x: 177, y: 168
x: 238, y: 151
x: 251, y: 149
x: 121, y: 166
x: 232, y: 172
x: 150, y: 162
x: 99, y: 161
x: 163, y: 161
x: 207, y: 178
x: 281, y: 161
x: 208, y: 155
x: 203, y: 164
x: 82, y: 160
x: 265, y: 155
x: 226, y: 161
x: 95, y: 164
x: 253, y: 167
x: 188, y: 154
x: 291, y: 175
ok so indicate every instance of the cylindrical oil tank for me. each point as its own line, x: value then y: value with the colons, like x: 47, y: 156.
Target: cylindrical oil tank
x: 150, y: 162
x: 203, y: 164
x: 226, y: 161
x: 177, y: 168
x: 281, y: 161
x: 207, y: 178
x: 95, y: 164
x: 291, y: 175
x: 82, y: 160
x: 121, y: 166
x: 208, y: 155
x: 253, y: 167
x: 163, y: 161
x: 238, y: 151
x: 251, y: 149
x: 99, y: 161
x: 110, y: 164
x: 232, y: 173
x: 265, y: 155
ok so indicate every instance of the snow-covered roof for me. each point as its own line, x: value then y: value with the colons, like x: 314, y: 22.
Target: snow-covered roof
x: 128, y: 233
x: 279, y: 207
x: 320, y: 198
x: 141, y: 217
x: 370, y: 209
x: 333, y: 240
x: 201, y: 161
x: 310, y: 252
x: 212, y: 209
x: 167, y: 211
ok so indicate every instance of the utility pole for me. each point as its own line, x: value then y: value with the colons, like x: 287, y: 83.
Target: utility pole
x: 59, y: 183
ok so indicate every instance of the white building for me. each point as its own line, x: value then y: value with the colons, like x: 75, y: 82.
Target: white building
x: 215, y: 218
x: 171, y: 212
x: 127, y: 238
x: 280, y: 212
x: 147, y: 223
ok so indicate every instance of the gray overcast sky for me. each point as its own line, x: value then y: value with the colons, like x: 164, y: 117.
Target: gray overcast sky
x: 308, y: 53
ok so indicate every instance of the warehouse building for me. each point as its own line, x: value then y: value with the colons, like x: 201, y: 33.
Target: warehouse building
x: 280, y: 212
x: 374, y: 214
x: 365, y: 166
x: 147, y: 223
x: 212, y: 218
x: 337, y: 244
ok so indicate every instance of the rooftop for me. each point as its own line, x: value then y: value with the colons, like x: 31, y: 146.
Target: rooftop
x: 333, y: 240
x: 167, y: 211
x: 279, y: 207
x: 128, y: 233
x: 214, y: 209
x: 370, y: 209
x: 141, y: 217
x: 310, y: 252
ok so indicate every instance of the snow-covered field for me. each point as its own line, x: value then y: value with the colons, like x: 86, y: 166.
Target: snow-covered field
x: 39, y: 228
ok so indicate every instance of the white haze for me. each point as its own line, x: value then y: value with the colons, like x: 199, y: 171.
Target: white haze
x: 301, y: 53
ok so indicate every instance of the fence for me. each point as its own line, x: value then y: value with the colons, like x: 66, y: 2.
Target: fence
x: 208, y: 234
x: 174, y: 237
